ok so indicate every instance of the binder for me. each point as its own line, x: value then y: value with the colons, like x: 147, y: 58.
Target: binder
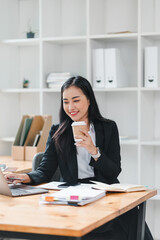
x: 151, y: 71
x: 25, y: 130
x: 115, y: 74
x: 98, y: 68
x: 20, y: 129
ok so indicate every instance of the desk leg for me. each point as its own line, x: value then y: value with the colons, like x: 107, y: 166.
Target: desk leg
x: 141, y: 221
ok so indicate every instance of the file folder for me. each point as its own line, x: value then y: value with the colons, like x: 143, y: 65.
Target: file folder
x: 151, y: 71
x: 115, y: 73
x: 98, y: 68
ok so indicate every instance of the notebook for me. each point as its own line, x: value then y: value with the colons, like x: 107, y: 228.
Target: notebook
x: 18, y: 189
x: 118, y: 187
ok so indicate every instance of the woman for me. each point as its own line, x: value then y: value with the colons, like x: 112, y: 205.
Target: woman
x: 96, y: 157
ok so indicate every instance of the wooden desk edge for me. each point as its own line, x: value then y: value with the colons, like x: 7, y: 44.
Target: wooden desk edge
x: 82, y: 232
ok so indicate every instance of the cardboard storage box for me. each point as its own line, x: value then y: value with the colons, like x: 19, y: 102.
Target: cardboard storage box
x: 27, y: 151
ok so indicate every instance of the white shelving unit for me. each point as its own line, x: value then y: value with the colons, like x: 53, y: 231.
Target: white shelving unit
x: 67, y: 31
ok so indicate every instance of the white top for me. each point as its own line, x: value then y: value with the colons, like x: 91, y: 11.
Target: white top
x: 83, y: 158
x: 78, y: 123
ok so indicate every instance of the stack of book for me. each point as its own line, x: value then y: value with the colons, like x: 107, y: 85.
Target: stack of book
x: 56, y: 80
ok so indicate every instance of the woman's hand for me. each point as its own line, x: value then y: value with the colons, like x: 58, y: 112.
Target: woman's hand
x: 86, y: 142
x: 17, y: 178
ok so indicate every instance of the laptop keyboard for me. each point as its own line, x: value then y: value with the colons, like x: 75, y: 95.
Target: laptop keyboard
x: 18, y: 186
x: 19, y: 190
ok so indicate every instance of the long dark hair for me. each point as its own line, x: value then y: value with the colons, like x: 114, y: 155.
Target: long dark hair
x: 64, y: 137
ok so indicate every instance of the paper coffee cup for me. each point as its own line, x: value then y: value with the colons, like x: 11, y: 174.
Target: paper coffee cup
x: 76, y: 127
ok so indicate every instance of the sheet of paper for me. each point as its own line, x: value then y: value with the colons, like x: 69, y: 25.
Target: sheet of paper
x: 55, y: 185
x: 82, y: 192
x: 52, y: 185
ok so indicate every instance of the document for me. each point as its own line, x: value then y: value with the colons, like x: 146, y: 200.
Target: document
x: 52, y: 185
x: 77, y: 195
x: 118, y: 187
x: 59, y: 185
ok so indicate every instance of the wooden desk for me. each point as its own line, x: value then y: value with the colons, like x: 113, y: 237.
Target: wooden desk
x: 22, y: 166
x: 24, y: 217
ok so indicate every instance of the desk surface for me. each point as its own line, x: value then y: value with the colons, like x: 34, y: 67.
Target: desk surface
x: 25, y: 214
x: 22, y: 166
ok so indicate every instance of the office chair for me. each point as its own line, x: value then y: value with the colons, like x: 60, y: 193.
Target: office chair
x: 37, y: 160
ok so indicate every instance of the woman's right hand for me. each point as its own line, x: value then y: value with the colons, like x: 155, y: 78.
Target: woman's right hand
x: 17, y: 178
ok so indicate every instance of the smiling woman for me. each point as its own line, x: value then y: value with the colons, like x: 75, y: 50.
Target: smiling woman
x: 95, y: 157
x: 76, y: 104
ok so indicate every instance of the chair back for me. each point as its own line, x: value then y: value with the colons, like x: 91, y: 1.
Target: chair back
x: 36, y: 162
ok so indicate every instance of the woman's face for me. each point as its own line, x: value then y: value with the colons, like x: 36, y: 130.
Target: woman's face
x: 75, y: 104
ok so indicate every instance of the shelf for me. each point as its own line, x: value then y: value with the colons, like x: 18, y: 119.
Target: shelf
x: 64, y: 56
x: 7, y: 139
x: 129, y: 141
x: 122, y: 36
x: 151, y: 143
x: 150, y: 89
x: 72, y: 39
x: 106, y: 18
x: 20, y: 90
x: 152, y: 35
x: 63, y: 18
x: 127, y: 89
x: 22, y: 42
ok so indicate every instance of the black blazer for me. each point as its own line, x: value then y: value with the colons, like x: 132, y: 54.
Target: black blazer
x: 106, y: 168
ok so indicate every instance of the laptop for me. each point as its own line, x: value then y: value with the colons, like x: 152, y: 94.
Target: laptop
x: 18, y: 189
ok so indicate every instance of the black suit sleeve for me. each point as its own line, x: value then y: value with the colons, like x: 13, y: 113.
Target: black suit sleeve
x: 49, y: 162
x: 108, y: 166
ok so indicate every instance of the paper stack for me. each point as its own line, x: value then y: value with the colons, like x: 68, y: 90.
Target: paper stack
x: 74, y: 195
x: 56, y: 80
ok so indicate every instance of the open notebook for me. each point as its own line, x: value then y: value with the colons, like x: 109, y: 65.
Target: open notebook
x: 118, y: 187
x: 18, y: 189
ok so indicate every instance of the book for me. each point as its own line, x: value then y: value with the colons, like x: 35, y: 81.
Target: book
x: 77, y: 195
x: 55, y: 79
x: 36, y: 140
x: 19, y: 133
x: 118, y: 187
x: 25, y: 130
